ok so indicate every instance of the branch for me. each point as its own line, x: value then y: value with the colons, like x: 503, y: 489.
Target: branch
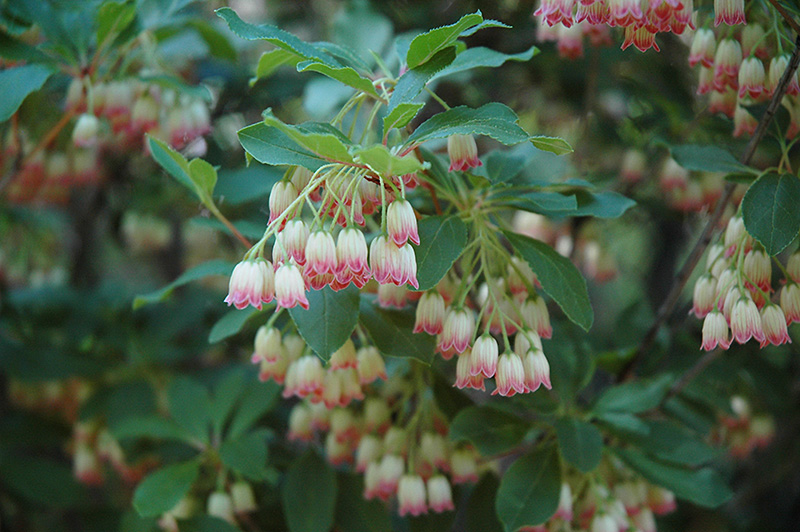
x: 705, y: 237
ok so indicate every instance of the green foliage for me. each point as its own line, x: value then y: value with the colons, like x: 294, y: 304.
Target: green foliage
x: 161, y: 490
x: 353, y: 512
x: 232, y: 323
x: 707, y: 159
x: 329, y: 321
x: 442, y: 239
x: 190, y: 407
x: 770, y: 212
x: 17, y: 83
x: 414, y: 80
x: 310, y: 476
x: 392, y: 331
x: 634, y: 397
x: 581, y: 443
x: 425, y: 46
x: 201, y: 271
x: 481, y: 57
x: 492, y: 120
x: 247, y: 454
x: 529, y: 491
x: 490, y: 430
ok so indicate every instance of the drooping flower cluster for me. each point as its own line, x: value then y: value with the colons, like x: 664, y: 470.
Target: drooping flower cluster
x: 744, y: 432
x: 734, y: 296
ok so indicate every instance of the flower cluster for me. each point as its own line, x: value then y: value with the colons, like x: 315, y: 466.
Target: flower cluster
x: 734, y: 296
x: 744, y: 432
x: 237, y: 500
x: 94, y: 445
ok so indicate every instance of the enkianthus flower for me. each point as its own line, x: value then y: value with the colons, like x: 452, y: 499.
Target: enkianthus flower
x: 290, y: 287
x: 570, y: 42
x: 790, y: 302
x: 703, y: 47
x: 252, y: 283
x: 715, y: 331
x: 432, y: 454
x: 320, y: 254
x: 339, y: 452
x: 344, y: 357
x: 526, y: 340
x: 705, y: 82
x: 633, y: 166
x: 660, y: 500
x: 734, y: 232
x: 369, y: 450
x: 370, y: 365
x: 793, y: 266
x: 463, y: 377
x: 624, y: 12
x: 459, y: 327
x: 392, y: 296
x: 391, y: 469
x: 632, y: 495
x: 705, y: 291
x: 556, y: 11
x: 753, y: 42
x: 220, y: 505
x: 351, y: 258
x: 773, y: 323
x: 731, y: 297
x: 344, y: 425
x: 536, y: 316
x: 745, y: 321
x: 300, y: 428
x: 300, y: 178
x: 463, y: 466
x: 243, y: 499
x: 86, y: 466
x: 440, y: 496
x: 751, y: 78
x: 592, y: 12
x: 644, y: 521
x: 730, y: 12
x: 776, y: 69
x: 723, y: 102
x: 743, y: 122
x: 395, y: 441
x: 293, y: 241
x: 268, y: 345
x: 564, y: 510
x: 758, y: 268
x: 672, y: 175
x: 401, y: 222
x: 274, y: 370
x: 520, y: 276
x: 430, y: 313
x: 463, y: 152
x: 85, y: 133
x: 604, y: 523
x: 304, y: 377
x: 144, y: 116
x: 282, y: 195
x: 536, y: 369
x: 377, y: 415
x: 411, y: 495
x: 484, y: 357
x: 510, y: 376
x: 642, y: 38
x: 726, y: 64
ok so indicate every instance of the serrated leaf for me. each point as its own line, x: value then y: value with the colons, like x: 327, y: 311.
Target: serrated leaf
x: 400, y: 116
x: 201, y: 271
x: 329, y: 321
x: 490, y: 430
x: 580, y: 442
x: 309, y: 494
x: 321, y: 139
x: 112, y: 18
x: 530, y: 489
x: 560, y: 279
x: 414, y: 80
x: 273, y: 35
x: 353, y: 512
x: 232, y: 322
x: 481, y: 57
x: 555, y: 145
x: 257, y: 399
x: 488, y: 23
x: 635, y: 396
x: 270, y: 61
x: 17, y: 83
x: 442, y: 239
x: 345, y: 75
x: 703, y: 487
x: 161, y: 490
x: 154, y: 427
x: 770, y: 211
x: 269, y: 145
x: 492, y: 120
x: 423, y: 47
x: 392, y: 331
x: 384, y: 162
x: 247, y: 454
x: 707, y: 159
x: 190, y: 406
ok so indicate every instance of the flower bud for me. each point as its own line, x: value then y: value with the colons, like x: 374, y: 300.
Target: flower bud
x: 758, y: 268
x: 430, y: 313
x: 705, y: 291
x: 268, y: 345
x: 85, y: 133
x: 463, y: 152
x: 289, y: 287
x: 243, y: 499
x: 220, y: 505
x: 391, y: 469
x: 745, y: 321
x: 703, y: 47
x: 510, y: 376
x: 369, y: 451
x: 411, y: 495
x: 536, y: 316
x: 773, y: 323
x: 440, y: 496
x: 300, y: 423
x: 484, y: 357
x: 459, y: 326
x: 751, y: 78
x: 282, y: 195
x: 294, y: 240
x: 370, y: 365
x: 401, y: 222
x: 715, y: 331
x: 536, y: 369
x: 252, y: 283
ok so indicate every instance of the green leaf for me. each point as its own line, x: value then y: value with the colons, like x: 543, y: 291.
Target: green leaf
x: 17, y: 83
x: 161, y: 490
x: 329, y: 321
x: 207, y: 523
x: 227, y: 392
x: 414, y: 80
x: 203, y: 175
x: 671, y: 442
x: 560, y: 279
x: 353, y: 512
x: 16, y: 50
x: 232, y: 322
x: 321, y: 139
x: 492, y: 431
x: 400, y: 116
x: 247, y: 454
x: 530, y: 489
x: 555, y: 145
x: 426, y: 45
x: 620, y: 422
x: 581, y: 443
x: 154, y: 427
x: 269, y: 145
x: 270, y: 61
x: 280, y: 38
x: 257, y: 399
x: 501, y: 166
x: 113, y: 18
x: 392, y: 331
x: 492, y: 120
x: 635, y: 396
x: 384, y: 162
x: 703, y: 487
x: 481, y: 516
x: 197, y: 175
x: 601, y: 204
x: 244, y: 185
x: 44, y: 481
x: 441, y: 241
x: 218, y: 44
x: 547, y: 203
x: 479, y: 56
x: 190, y: 406
x: 309, y: 494
x: 770, y: 211
x: 345, y: 75
x: 201, y: 271
x: 707, y: 159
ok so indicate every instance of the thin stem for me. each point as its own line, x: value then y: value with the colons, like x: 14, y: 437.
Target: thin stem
x: 227, y: 223
x: 437, y: 98
x: 786, y: 17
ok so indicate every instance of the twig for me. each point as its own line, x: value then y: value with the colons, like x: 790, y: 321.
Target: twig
x: 705, y: 237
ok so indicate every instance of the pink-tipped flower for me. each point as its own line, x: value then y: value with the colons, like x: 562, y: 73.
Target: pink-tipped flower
x: 624, y: 12
x: 564, y: 510
x: 371, y: 480
x: 411, y: 495
x: 463, y: 466
x: 282, y: 195
x: 369, y: 450
x: 391, y: 469
x: 604, y: 523
x: 338, y: 452
x: 536, y: 316
x: 661, y: 501
x: 268, y: 345
x: 758, y: 268
x: 773, y: 323
x: 392, y: 296
x: 440, y: 496
x: 570, y: 42
x: 401, y: 222
x: 510, y: 376
x: 290, y: 287
x: 463, y: 152
x: 703, y: 47
x: 705, y: 82
x: 790, y: 302
x: 745, y: 321
x: 85, y: 133
x: 351, y: 250
x: 484, y: 357
x: 145, y: 113
x: 392, y: 264
x: 320, y: 254
x: 715, y: 331
x: 634, y: 164
x: 459, y: 327
x: 463, y: 377
x: 536, y: 369
x: 309, y: 376
x: 777, y: 67
x: 300, y: 428
x: 593, y: 12
x: 705, y: 292
x: 727, y: 61
x: 294, y: 241
x: 252, y: 283
x: 723, y: 102
x: 301, y: 177
x: 377, y: 415
x: 730, y: 12
x: 370, y: 365
x: 751, y: 78
x: 556, y: 11
x: 743, y: 122
x: 345, y: 356
x: 644, y: 521
x: 753, y: 42
x: 430, y: 313
x: 642, y: 38
x: 220, y: 505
